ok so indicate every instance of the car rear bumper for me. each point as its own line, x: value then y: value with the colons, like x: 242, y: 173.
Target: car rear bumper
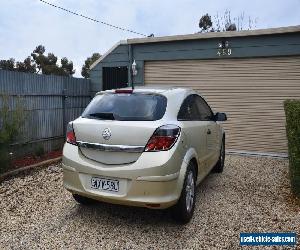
x: 155, y: 185
x: 152, y: 194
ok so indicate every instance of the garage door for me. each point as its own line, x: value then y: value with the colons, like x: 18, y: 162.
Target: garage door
x: 250, y: 91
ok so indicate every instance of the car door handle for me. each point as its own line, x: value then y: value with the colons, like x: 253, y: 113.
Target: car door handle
x: 208, y: 132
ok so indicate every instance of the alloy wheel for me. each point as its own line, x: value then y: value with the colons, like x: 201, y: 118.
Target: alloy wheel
x: 222, y: 154
x: 190, y: 191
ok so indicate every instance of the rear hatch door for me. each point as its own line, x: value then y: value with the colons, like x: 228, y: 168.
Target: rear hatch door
x: 115, y: 128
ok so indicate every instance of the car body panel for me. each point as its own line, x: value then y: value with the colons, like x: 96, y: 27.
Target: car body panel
x: 213, y: 138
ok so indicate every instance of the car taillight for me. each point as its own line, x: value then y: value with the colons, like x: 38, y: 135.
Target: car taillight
x: 163, y: 138
x: 71, y: 135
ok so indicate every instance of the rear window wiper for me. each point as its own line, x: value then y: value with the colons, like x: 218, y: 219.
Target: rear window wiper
x: 103, y: 115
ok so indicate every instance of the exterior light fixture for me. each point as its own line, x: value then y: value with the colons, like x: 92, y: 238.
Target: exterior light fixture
x: 134, y: 68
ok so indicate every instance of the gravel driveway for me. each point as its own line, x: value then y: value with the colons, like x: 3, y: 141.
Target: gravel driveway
x: 252, y: 195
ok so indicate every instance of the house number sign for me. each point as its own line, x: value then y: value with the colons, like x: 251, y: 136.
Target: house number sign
x: 223, y: 49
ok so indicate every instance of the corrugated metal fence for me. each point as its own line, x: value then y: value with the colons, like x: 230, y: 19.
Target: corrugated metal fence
x: 50, y: 102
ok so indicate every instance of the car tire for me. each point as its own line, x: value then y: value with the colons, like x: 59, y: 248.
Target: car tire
x: 219, y: 167
x: 184, y: 209
x: 83, y: 200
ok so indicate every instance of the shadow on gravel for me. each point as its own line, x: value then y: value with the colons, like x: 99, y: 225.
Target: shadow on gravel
x: 115, y: 214
x: 101, y: 212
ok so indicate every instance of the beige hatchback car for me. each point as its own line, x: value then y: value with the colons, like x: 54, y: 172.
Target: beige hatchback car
x: 143, y: 147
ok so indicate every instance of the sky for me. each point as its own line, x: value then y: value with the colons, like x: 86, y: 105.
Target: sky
x: 24, y: 24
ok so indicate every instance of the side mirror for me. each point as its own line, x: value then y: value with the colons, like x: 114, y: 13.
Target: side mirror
x: 220, y: 117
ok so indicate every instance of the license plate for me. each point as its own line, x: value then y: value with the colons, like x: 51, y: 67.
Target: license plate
x: 105, y: 184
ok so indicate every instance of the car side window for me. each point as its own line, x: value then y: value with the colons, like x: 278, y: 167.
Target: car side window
x: 188, y: 110
x: 204, y: 110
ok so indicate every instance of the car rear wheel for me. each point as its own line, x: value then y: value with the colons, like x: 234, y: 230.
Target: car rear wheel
x: 184, y: 209
x: 83, y: 200
x: 218, y: 168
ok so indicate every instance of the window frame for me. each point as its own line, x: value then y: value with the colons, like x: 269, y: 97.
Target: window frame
x: 209, y: 108
x: 199, y: 118
x: 183, y: 103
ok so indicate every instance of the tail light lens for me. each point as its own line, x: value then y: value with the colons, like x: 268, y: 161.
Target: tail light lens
x: 71, y: 135
x: 163, y: 138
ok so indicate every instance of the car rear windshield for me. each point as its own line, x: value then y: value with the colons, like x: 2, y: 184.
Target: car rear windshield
x: 126, y: 107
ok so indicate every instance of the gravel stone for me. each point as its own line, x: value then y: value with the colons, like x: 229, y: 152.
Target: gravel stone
x: 251, y: 195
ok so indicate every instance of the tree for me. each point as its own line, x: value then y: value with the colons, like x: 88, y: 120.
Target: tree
x: 38, y: 62
x: 225, y: 23
x: 67, y: 66
x: 26, y: 66
x: 38, y: 57
x: 7, y: 64
x: 85, y: 71
x: 40, y: 49
x: 47, y: 64
x: 205, y: 23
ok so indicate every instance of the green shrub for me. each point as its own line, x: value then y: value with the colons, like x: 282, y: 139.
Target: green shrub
x: 10, y: 126
x: 292, y: 111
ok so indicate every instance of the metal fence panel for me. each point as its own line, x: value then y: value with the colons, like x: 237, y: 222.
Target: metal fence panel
x: 50, y: 102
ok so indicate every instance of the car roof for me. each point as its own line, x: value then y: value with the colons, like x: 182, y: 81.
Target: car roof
x: 167, y: 91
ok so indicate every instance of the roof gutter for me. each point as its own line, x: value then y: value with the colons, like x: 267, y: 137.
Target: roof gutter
x: 208, y: 35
